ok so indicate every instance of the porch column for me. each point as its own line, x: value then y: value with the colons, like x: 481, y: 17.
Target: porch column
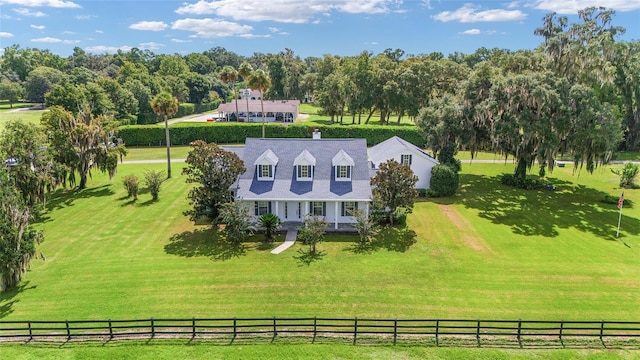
x: 336, y: 215
x: 276, y: 213
x: 306, y: 205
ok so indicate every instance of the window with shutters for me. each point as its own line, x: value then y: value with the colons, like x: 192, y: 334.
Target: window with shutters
x: 406, y: 159
x: 265, y: 171
x: 318, y: 208
x: 343, y: 172
x: 262, y: 207
x: 349, y: 208
x: 305, y: 172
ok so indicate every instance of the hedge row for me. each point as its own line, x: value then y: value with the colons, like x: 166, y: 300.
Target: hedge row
x: 236, y: 133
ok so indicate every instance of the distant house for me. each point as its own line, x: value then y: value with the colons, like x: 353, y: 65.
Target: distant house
x: 296, y: 178
x: 406, y: 153
x: 249, y: 108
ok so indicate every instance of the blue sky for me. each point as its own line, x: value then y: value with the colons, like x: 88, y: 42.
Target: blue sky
x: 308, y: 27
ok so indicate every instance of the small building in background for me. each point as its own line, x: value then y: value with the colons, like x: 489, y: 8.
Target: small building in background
x: 249, y: 108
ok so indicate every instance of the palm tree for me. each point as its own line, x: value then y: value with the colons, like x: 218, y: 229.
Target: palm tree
x: 270, y: 223
x: 259, y: 80
x: 229, y: 75
x: 166, y: 105
x: 245, y: 70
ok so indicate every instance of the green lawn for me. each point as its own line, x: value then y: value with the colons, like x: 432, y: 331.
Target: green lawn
x: 160, y: 350
x: 32, y: 116
x: 5, y: 106
x: 491, y: 252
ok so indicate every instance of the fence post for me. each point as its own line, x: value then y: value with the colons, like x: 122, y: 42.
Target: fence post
x: 110, y: 330
x: 560, y: 335
x: 235, y: 330
x: 602, y: 332
x: 395, y: 331
x: 30, y: 330
x: 355, y: 329
x: 68, y: 330
x: 275, y: 331
x: 153, y: 328
x: 478, y: 333
x: 437, y: 332
x: 193, y: 327
x: 520, y: 332
x: 315, y: 328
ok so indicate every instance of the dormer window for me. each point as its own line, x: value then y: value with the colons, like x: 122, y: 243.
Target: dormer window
x: 266, y: 166
x: 304, y: 164
x: 343, y: 172
x: 343, y: 166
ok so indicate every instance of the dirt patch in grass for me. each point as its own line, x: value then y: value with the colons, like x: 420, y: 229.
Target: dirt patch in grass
x: 467, y: 235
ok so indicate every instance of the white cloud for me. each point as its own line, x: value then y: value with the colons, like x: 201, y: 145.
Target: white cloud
x: 46, y: 3
x: 287, y: 11
x: 477, y: 32
x: 513, y: 4
x: 427, y: 4
x: 181, y: 41
x: 211, y: 28
x: 70, y: 41
x: 100, y: 31
x: 101, y: 49
x: 4, y: 34
x: 27, y: 12
x: 253, y: 36
x: 469, y: 13
x: 470, y: 32
x: 67, y: 32
x: 149, y: 26
x: 150, y: 46
x: 572, y: 6
x: 39, y: 27
x: 85, y: 17
x: 276, y: 30
x: 47, y: 40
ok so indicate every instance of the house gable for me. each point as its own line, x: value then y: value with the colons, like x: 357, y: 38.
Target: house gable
x: 399, y: 149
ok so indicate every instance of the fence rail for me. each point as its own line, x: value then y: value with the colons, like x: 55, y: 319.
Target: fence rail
x: 352, y: 329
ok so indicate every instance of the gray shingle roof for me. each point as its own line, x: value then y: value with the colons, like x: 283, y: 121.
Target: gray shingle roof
x: 323, y: 186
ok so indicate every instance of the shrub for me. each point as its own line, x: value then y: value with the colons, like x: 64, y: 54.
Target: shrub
x: 270, y: 223
x: 627, y: 175
x: 131, y: 184
x: 153, y: 180
x: 444, y: 181
x: 527, y: 184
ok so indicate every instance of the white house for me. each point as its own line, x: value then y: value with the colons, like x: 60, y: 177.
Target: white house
x: 249, y: 109
x: 406, y: 153
x: 296, y: 178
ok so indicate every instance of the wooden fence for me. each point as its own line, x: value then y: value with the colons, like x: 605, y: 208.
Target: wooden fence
x: 391, y: 331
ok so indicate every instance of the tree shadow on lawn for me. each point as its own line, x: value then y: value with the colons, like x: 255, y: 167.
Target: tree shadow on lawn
x: 398, y: 239
x: 543, y: 212
x: 66, y: 197
x: 7, y: 299
x: 63, y: 198
x: 306, y: 257
x: 208, y: 242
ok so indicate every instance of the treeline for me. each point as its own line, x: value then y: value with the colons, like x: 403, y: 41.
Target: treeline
x: 391, y: 84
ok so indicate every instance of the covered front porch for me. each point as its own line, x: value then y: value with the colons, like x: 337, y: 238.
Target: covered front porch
x: 339, y: 214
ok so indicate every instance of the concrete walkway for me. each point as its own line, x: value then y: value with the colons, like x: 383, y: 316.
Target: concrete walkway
x: 289, y: 240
